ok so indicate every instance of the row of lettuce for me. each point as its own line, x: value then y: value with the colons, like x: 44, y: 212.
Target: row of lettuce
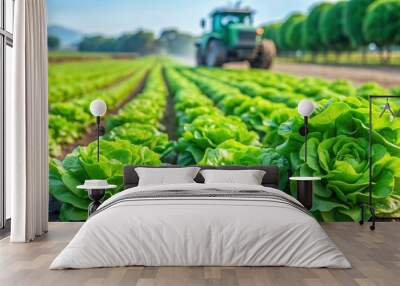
x: 80, y: 83
x: 227, y: 117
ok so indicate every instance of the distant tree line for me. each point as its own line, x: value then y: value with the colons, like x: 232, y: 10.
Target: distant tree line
x: 141, y: 42
x: 53, y: 42
x: 338, y: 27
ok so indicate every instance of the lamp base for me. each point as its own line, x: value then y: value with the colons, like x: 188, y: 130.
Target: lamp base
x: 96, y: 195
x: 374, y: 217
x: 305, y: 193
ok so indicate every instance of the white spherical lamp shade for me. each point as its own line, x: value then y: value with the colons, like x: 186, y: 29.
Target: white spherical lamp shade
x: 98, y: 107
x: 305, y: 107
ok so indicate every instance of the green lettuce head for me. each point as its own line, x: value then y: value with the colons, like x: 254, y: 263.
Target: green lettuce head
x: 82, y: 165
x: 342, y: 162
x: 209, y: 131
x: 140, y: 134
x: 338, y: 152
x: 232, y: 152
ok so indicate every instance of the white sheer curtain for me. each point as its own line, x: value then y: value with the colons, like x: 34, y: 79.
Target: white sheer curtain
x: 26, y: 117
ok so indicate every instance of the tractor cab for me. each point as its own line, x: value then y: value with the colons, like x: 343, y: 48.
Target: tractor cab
x: 223, y: 18
x: 234, y: 27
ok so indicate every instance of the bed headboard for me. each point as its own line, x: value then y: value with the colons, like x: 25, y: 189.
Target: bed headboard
x: 271, y: 177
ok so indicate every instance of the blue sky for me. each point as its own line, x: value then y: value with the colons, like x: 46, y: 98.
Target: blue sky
x: 116, y: 16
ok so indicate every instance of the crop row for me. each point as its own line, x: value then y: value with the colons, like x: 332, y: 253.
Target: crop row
x: 208, y: 137
x: 71, y: 80
x: 282, y: 88
x: 69, y: 120
x: 139, y: 121
x: 66, y: 91
x: 201, y: 124
x: 337, y: 142
x: 277, y: 86
x: 258, y: 113
x: 73, y: 72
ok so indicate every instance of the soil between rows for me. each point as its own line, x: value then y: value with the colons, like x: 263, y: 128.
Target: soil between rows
x: 169, y: 120
x: 92, y: 133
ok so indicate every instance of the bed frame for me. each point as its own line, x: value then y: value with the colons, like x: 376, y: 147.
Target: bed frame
x: 271, y: 177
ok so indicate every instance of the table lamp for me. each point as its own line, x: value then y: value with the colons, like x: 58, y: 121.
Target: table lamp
x: 98, y: 108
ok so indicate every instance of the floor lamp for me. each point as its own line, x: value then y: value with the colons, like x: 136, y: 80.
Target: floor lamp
x: 369, y: 205
x: 98, y: 108
x: 305, y: 108
x: 96, y: 188
x: 305, y: 183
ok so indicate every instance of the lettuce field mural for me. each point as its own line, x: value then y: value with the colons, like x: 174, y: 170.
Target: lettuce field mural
x: 162, y: 109
x: 163, y: 112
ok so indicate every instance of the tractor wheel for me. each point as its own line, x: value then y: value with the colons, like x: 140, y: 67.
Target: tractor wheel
x: 215, y: 54
x: 265, y: 54
x: 200, y: 57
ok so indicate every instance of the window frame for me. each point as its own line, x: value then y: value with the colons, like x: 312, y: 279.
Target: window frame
x: 6, y: 39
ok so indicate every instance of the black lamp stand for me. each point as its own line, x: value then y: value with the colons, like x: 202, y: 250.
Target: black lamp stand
x: 304, y: 132
x: 96, y: 196
x: 369, y: 205
x: 305, y: 184
x: 100, y: 132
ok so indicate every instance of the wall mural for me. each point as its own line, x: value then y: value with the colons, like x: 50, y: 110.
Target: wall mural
x: 163, y: 108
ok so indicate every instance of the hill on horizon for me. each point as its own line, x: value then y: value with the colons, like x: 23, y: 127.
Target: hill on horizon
x: 69, y: 38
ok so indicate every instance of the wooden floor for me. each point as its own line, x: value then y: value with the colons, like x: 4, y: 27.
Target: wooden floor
x: 375, y: 257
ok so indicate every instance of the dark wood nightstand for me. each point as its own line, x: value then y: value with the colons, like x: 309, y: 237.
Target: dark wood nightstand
x: 305, y: 190
x: 95, y: 194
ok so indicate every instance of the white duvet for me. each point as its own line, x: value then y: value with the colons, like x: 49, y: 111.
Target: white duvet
x: 200, y: 231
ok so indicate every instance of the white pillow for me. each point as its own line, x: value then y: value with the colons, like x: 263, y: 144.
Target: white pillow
x: 166, y: 176
x: 248, y: 177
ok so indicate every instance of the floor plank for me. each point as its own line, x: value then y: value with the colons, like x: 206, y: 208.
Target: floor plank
x: 375, y: 257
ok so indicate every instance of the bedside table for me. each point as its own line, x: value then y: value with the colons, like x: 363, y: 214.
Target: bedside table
x: 96, y: 190
x: 305, y: 190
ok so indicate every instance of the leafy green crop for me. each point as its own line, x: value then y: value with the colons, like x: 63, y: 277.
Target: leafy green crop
x: 232, y: 152
x: 137, y: 123
x: 235, y: 117
x: 139, y: 120
x: 340, y: 120
x: 82, y: 164
x: 210, y: 131
x: 140, y: 134
x: 371, y: 88
x: 69, y: 120
x: 147, y: 107
x: 338, y: 152
x: 201, y: 124
x: 72, y: 80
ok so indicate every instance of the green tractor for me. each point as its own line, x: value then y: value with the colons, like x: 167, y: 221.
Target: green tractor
x: 233, y: 38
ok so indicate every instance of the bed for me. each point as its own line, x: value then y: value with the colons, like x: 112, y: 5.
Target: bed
x: 198, y: 224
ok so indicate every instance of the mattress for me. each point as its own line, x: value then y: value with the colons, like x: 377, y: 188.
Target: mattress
x: 201, y: 225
